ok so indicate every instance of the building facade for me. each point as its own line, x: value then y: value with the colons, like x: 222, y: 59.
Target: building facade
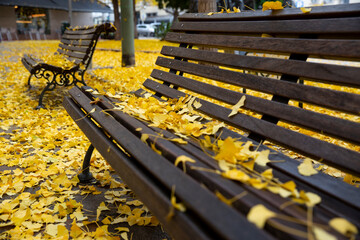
x: 44, y: 19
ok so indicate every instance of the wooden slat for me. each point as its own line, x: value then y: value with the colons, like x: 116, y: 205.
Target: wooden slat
x: 74, y: 31
x: 143, y: 185
x: 73, y: 54
x: 332, y: 99
x: 192, y: 194
x: 333, y: 155
x: 76, y: 42
x: 317, y: 47
x: 79, y: 37
x: 30, y: 60
x: 344, y: 75
x: 287, y: 13
x: 73, y: 48
x: 335, y: 127
x: 308, y: 26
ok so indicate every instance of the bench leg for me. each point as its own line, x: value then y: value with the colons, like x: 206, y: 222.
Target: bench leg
x: 29, y: 81
x: 49, y: 87
x: 85, y: 176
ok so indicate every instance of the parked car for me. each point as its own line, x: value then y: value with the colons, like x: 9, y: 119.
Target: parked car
x: 145, y: 30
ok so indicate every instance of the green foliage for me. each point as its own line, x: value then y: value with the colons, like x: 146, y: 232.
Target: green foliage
x: 175, y: 4
x: 161, y: 30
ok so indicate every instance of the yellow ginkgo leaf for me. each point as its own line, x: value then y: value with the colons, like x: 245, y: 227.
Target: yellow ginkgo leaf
x: 306, y: 168
x: 262, y: 158
x: 210, y: 13
x: 236, y: 10
x: 179, y: 206
x: 236, y: 174
x: 343, y: 226
x: 305, y: 10
x: 313, y: 199
x: 321, y: 234
x: 239, y: 104
x: 259, y: 214
x: 183, y: 159
x: 272, y: 6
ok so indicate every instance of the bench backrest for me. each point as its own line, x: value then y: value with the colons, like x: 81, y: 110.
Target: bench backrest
x: 278, y: 60
x: 78, y: 43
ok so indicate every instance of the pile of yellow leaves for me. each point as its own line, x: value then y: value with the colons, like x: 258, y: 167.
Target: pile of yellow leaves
x: 58, y: 60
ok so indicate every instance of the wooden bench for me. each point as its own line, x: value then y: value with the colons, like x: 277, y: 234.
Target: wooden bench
x: 216, y: 207
x: 76, y: 45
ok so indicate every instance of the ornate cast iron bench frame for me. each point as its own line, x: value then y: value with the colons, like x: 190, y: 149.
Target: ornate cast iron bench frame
x: 78, y: 46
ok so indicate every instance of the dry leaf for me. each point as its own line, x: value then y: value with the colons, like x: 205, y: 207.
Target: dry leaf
x: 272, y: 6
x: 239, y: 104
x: 306, y: 168
x: 305, y: 10
x: 343, y: 226
x: 259, y: 214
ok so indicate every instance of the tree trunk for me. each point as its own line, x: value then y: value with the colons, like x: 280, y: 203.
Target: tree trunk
x: 176, y: 14
x: 135, y: 21
x: 127, y: 32
x: 117, y: 19
x: 205, y: 6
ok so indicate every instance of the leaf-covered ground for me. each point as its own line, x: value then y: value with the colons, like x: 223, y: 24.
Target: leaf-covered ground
x: 41, y: 154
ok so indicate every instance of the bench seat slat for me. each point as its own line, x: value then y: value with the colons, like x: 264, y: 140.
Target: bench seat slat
x: 73, y: 48
x: 318, y: 47
x: 72, y: 54
x: 336, y: 127
x: 308, y: 26
x: 143, y: 185
x: 333, y: 155
x: 77, y: 43
x: 328, y: 73
x: 78, y: 37
x: 74, y: 31
x: 332, y: 99
x: 194, y: 197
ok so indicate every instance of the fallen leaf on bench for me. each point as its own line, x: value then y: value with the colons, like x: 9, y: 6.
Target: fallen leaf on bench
x: 138, y: 129
x: 259, y: 214
x: 236, y: 174
x: 237, y: 106
x: 197, y: 104
x: 92, y: 111
x: 306, y: 168
x: 263, y: 158
x: 210, y: 13
x: 305, y: 10
x: 272, y: 6
x: 152, y: 145
x: 179, y: 206
x: 321, y: 234
x: 119, y: 220
x: 178, y: 140
x: 183, y: 159
x: 144, y: 137
x: 122, y: 229
x: 343, y: 226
